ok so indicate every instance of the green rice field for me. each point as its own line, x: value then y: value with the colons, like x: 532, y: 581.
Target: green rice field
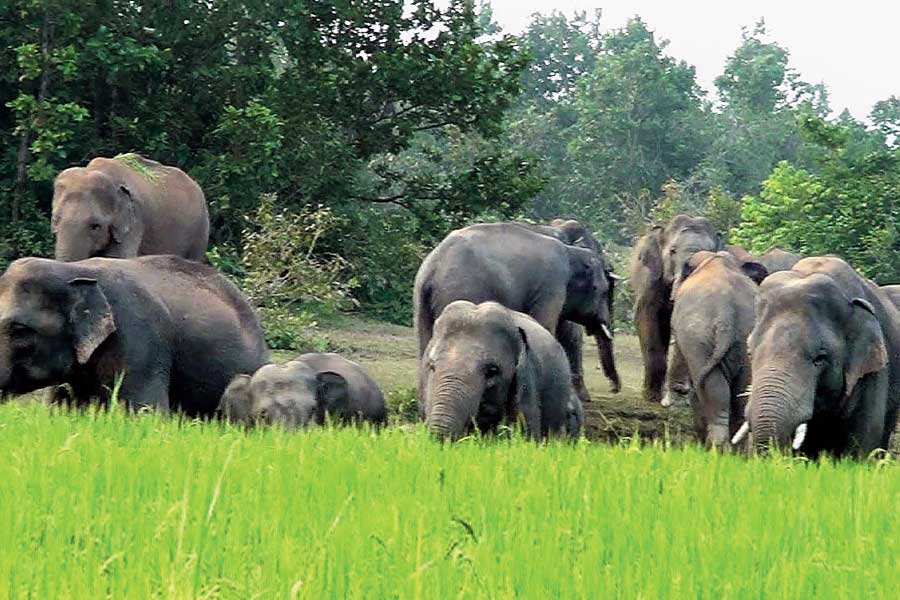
x: 106, y: 505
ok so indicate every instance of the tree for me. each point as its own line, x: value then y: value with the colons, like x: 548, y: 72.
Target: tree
x: 849, y: 205
x: 639, y: 122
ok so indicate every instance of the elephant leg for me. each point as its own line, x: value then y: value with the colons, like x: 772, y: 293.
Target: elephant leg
x: 714, y: 401
x: 679, y: 391
x: 608, y: 363
x: 151, y: 392
x: 570, y: 338
x: 654, y: 331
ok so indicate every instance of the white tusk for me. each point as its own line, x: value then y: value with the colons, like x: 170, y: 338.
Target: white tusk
x: 741, y: 434
x: 666, y: 401
x: 606, y: 331
x: 613, y: 276
x: 799, y: 436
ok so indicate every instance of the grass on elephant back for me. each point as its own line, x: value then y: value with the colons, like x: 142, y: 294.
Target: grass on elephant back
x: 100, y: 504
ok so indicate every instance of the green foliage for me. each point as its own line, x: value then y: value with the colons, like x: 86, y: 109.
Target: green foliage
x: 133, y: 161
x: 293, y: 329
x: 848, y: 205
x: 110, y: 505
x: 403, y: 405
x: 280, y: 263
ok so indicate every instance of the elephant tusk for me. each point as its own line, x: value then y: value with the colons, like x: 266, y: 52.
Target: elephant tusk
x: 613, y: 276
x: 799, y: 436
x: 741, y: 434
x: 606, y: 331
x: 667, y: 401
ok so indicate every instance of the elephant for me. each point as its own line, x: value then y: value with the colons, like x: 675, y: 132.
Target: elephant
x: 128, y: 206
x: 521, y: 269
x: 778, y: 260
x: 712, y: 317
x: 487, y: 364
x: 176, y: 330
x: 303, y: 391
x: 826, y: 362
x: 656, y: 260
x: 571, y: 335
x: 893, y: 294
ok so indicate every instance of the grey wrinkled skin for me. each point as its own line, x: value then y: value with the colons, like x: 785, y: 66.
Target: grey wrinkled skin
x: 571, y: 335
x: 307, y: 390
x: 109, y: 209
x: 521, y: 269
x: 658, y: 258
x: 487, y: 365
x: 776, y: 260
x: 825, y: 352
x: 893, y: 294
x: 712, y: 317
x: 178, y: 331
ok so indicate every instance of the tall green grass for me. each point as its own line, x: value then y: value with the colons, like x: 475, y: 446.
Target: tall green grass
x: 106, y: 505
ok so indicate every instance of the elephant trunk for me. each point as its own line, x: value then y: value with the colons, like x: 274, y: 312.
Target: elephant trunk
x: 453, y: 407
x: 608, y: 362
x: 780, y: 402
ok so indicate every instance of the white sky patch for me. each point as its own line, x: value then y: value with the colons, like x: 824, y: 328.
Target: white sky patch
x: 850, y: 46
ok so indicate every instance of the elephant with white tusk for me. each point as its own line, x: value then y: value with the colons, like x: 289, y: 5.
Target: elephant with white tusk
x: 826, y: 362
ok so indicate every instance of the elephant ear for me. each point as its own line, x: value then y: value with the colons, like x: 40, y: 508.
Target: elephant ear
x: 236, y: 401
x: 647, y: 262
x: 867, y: 351
x: 90, y: 317
x: 754, y: 271
x: 581, y: 269
x: 332, y: 394
x: 125, y: 216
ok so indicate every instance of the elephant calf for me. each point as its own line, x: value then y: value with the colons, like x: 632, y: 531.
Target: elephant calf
x: 303, y: 391
x: 485, y: 364
x: 177, y: 330
x: 712, y: 317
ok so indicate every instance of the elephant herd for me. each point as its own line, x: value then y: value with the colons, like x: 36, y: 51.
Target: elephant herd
x: 770, y: 350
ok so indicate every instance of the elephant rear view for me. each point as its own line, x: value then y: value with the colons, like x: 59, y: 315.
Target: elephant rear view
x: 128, y: 206
x: 486, y: 365
x: 713, y: 315
x: 656, y: 260
x: 305, y: 390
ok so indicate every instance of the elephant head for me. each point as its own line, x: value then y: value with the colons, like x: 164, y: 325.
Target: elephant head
x: 50, y: 322
x: 588, y: 292
x: 816, y: 345
x: 93, y: 215
x: 475, y: 369
x: 681, y: 239
x: 292, y: 394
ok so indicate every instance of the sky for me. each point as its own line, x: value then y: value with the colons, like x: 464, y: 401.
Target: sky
x: 853, y: 47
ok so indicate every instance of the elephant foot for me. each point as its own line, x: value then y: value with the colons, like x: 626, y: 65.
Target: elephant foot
x: 615, y: 387
x: 580, y: 389
x: 653, y: 397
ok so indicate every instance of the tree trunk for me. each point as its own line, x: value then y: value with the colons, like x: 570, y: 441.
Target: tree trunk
x: 24, y: 155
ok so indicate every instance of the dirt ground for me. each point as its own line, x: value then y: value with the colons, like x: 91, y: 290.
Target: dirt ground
x: 388, y: 352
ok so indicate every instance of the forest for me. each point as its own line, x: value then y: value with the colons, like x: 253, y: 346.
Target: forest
x: 337, y: 142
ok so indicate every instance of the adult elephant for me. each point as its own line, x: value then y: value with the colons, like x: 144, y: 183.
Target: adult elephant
x: 777, y: 259
x: 712, y: 317
x: 128, y: 206
x: 893, y: 294
x: 657, y: 259
x: 523, y: 270
x: 826, y: 361
x: 571, y: 335
x: 487, y: 364
x: 176, y: 330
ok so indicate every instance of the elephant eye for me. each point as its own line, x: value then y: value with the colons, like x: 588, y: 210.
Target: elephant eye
x: 19, y: 330
x: 95, y: 226
x: 821, y: 359
x: 430, y: 364
x: 491, y: 370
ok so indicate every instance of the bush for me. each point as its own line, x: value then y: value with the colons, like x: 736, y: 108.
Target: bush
x: 402, y: 405
x: 293, y: 330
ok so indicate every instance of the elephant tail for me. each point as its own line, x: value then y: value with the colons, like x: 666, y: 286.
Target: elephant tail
x: 724, y: 338
x: 424, y: 317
